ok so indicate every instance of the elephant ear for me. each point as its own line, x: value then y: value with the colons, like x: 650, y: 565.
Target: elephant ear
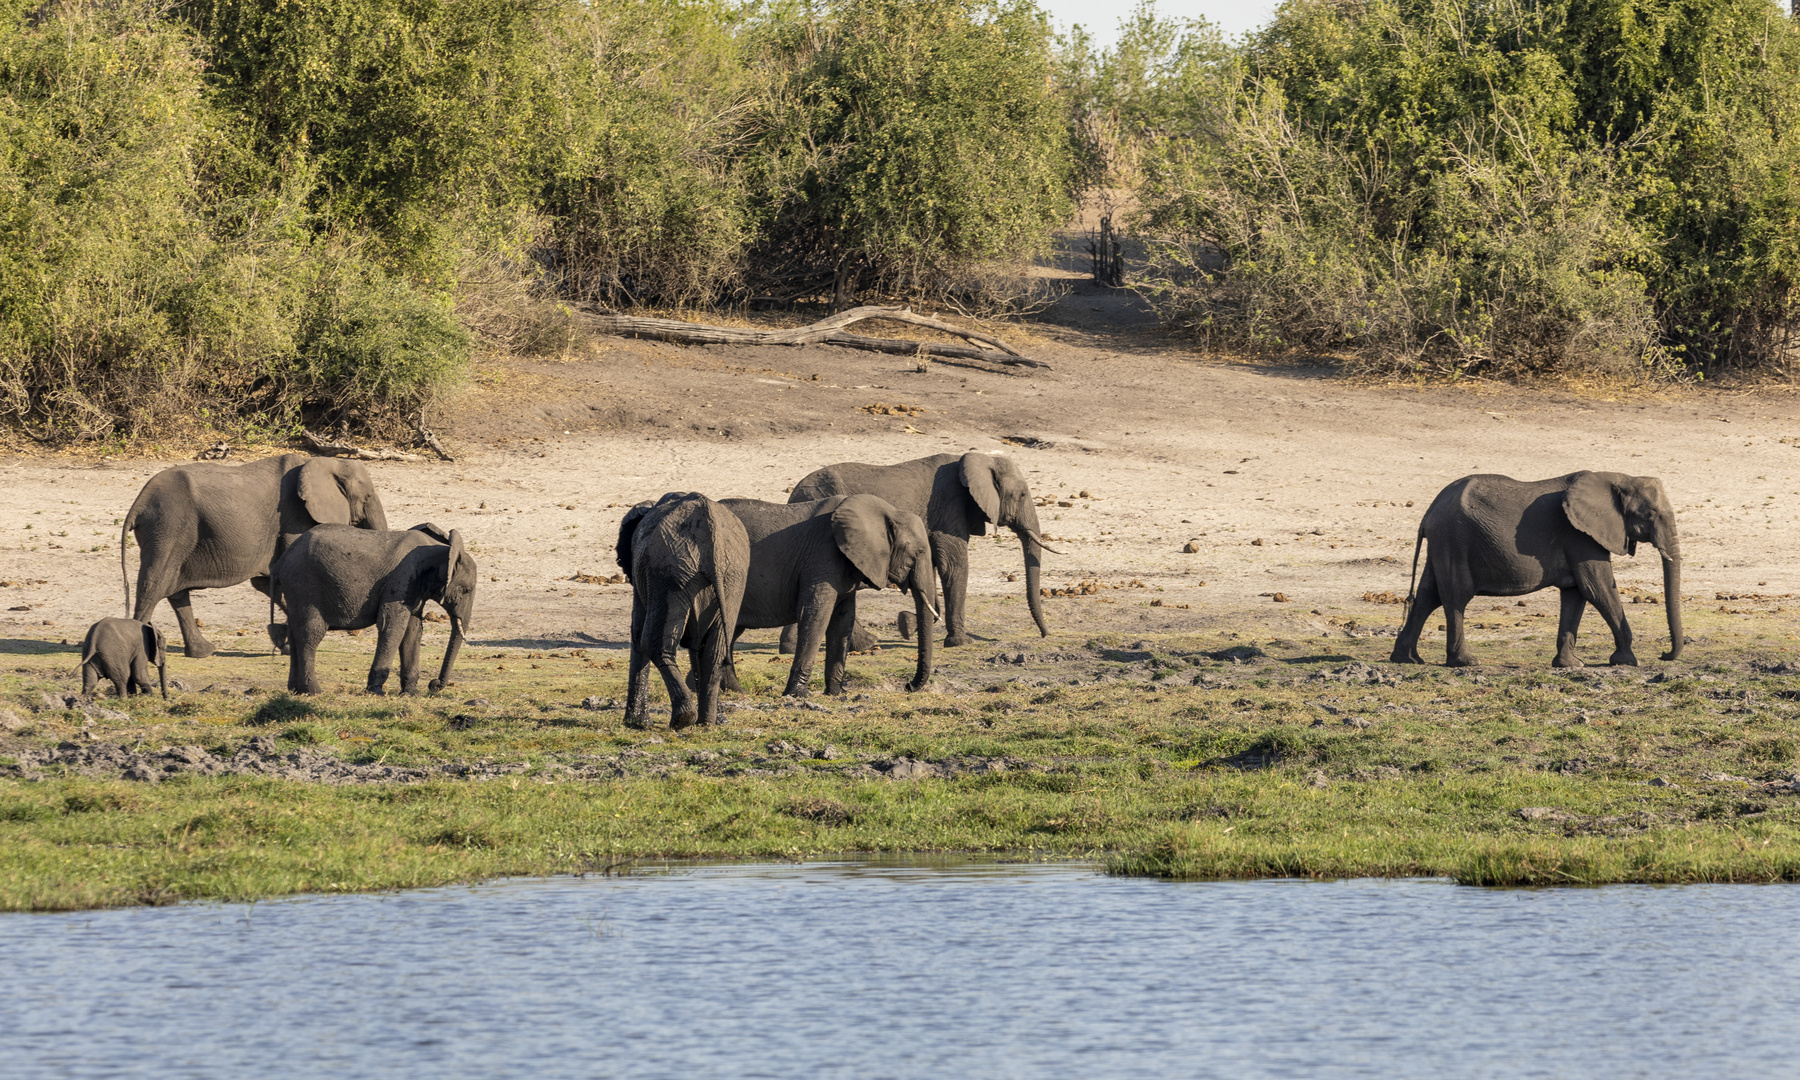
x: 322, y: 494
x: 450, y: 561
x: 153, y: 645
x: 860, y: 527
x: 432, y: 531
x: 1593, y: 507
x: 978, y: 476
x: 628, y: 529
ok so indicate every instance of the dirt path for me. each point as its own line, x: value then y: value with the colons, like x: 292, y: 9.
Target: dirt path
x: 1170, y: 448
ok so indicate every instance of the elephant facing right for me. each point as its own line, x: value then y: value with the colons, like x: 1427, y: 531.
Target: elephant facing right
x: 1496, y: 536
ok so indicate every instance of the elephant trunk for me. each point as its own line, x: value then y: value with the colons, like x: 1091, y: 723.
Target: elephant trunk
x: 374, y: 517
x: 450, y: 651
x: 162, y: 674
x: 1672, y: 601
x: 923, y: 585
x: 1030, y: 540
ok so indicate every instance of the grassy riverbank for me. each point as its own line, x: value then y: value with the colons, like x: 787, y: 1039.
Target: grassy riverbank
x: 1288, y: 758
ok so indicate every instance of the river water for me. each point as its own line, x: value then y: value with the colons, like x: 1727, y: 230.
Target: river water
x: 861, y: 969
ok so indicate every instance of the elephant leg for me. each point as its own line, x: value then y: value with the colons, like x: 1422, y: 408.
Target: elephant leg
x: 951, y: 554
x: 390, y: 626
x: 715, y: 645
x: 815, y: 612
x: 1595, y: 580
x: 665, y: 626
x: 1425, y: 602
x: 303, y: 646
x: 90, y: 679
x: 1567, y: 626
x: 790, y: 637
x: 637, y: 686
x: 192, y: 641
x: 409, y: 653
x: 140, y: 681
x: 278, y: 634
x: 837, y: 643
x: 728, y: 679
x: 861, y: 638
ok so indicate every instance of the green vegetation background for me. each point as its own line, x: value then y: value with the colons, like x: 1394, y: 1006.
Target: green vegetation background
x: 317, y: 212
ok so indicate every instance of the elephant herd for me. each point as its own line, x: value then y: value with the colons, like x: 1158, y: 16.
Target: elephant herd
x: 311, y: 533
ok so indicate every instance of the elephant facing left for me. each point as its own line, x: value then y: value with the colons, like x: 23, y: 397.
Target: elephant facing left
x: 209, y: 526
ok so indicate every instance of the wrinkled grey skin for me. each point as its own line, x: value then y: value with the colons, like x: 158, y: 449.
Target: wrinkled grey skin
x: 1496, y: 536
x: 808, y: 559
x: 336, y: 577
x: 208, y: 526
x: 958, y: 497
x: 123, y: 651
x: 687, y: 558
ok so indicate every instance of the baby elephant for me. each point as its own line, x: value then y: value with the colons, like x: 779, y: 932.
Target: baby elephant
x: 122, y: 651
x: 337, y: 577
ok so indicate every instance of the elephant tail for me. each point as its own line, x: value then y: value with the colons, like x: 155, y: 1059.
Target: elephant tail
x: 124, y: 537
x: 1412, y: 582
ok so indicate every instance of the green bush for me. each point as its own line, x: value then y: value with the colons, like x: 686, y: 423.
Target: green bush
x: 907, y: 139
x: 1457, y: 186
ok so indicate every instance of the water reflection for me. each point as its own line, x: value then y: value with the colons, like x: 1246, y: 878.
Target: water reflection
x: 952, y: 967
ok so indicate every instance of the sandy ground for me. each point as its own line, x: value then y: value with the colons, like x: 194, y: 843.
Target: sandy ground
x: 1168, y: 446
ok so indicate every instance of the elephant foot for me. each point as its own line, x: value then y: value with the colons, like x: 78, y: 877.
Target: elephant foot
x: 683, y: 721
x: 637, y: 723
x: 198, y: 649
x: 1462, y: 661
x: 1410, y: 656
x: 378, y: 691
x: 917, y: 685
x: 729, y: 682
x: 1567, y: 660
x: 435, y: 685
x: 959, y: 638
x: 1623, y: 658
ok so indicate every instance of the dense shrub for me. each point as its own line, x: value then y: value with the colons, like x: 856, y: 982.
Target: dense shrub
x: 1500, y: 187
x: 906, y: 139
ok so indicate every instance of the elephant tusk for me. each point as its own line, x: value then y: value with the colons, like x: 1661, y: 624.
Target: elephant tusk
x: 934, y: 614
x: 1039, y: 541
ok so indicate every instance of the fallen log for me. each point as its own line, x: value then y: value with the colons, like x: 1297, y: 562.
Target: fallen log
x: 325, y: 448
x: 827, y: 331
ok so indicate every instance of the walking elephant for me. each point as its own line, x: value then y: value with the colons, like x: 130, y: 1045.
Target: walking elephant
x: 123, y: 651
x: 336, y: 577
x: 808, y: 559
x: 207, y: 526
x: 687, y: 557
x: 1496, y: 536
x: 958, y: 497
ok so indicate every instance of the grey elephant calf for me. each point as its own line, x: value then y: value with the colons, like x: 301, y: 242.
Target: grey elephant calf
x: 687, y: 557
x: 1496, y: 536
x: 123, y: 651
x: 336, y: 577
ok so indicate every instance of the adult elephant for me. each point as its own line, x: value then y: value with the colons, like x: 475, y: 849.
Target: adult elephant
x: 687, y: 557
x: 958, y: 497
x: 1496, y: 536
x: 806, y: 562
x: 207, y: 526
